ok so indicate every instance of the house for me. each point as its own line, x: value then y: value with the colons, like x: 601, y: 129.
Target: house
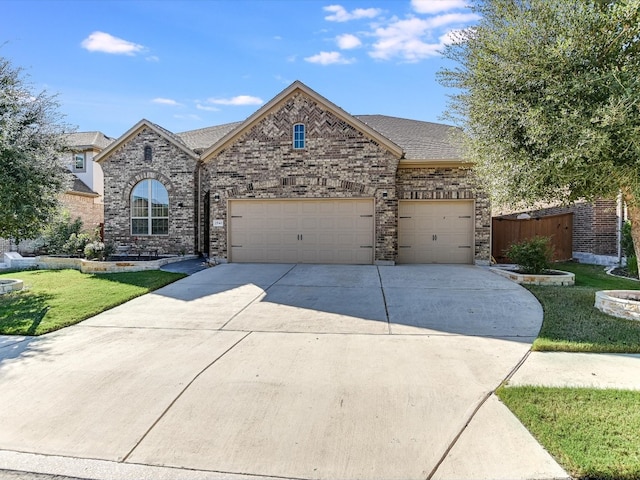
x: 299, y: 181
x: 83, y: 195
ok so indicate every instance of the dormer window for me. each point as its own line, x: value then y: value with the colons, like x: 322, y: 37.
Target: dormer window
x: 148, y: 153
x: 299, y: 138
x: 79, y: 162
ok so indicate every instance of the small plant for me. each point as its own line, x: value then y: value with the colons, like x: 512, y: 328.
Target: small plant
x: 57, y: 233
x: 627, y: 240
x: 632, y: 265
x: 94, y: 250
x: 533, y: 255
x: 76, y: 243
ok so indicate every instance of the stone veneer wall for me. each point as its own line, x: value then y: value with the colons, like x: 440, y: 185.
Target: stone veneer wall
x: 450, y: 183
x: 174, y: 168
x: 338, y: 162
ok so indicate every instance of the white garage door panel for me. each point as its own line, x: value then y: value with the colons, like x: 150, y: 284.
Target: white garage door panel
x: 435, y: 231
x: 301, y: 231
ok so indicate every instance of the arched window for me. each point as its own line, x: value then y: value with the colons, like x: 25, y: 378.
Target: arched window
x: 299, y: 139
x: 149, y: 209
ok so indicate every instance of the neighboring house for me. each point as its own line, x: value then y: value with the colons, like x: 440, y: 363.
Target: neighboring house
x: 596, y: 228
x: 300, y: 180
x: 85, y: 196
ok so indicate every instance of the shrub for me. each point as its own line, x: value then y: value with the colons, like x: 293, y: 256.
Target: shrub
x: 76, y: 243
x: 627, y: 241
x: 57, y: 233
x: 533, y: 255
x: 632, y: 265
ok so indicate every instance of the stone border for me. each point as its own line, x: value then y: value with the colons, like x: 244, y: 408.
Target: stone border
x: 561, y: 278
x: 619, y: 303
x: 8, y: 285
x: 91, y: 266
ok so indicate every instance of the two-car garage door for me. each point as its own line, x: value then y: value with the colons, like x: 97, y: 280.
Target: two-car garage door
x: 302, y: 231
x: 342, y: 231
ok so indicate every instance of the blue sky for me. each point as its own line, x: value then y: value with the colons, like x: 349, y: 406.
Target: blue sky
x: 193, y: 64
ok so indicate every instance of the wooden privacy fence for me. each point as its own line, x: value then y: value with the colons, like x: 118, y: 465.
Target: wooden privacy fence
x: 507, y: 231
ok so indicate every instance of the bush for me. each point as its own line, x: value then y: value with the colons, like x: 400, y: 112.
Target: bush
x: 627, y: 241
x: 632, y: 265
x: 76, y: 243
x: 533, y: 255
x: 57, y: 233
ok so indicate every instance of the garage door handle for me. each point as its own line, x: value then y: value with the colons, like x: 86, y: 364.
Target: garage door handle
x: 366, y: 246
x: 464, y: 246
x: 367, y: 216
x: 464, y: 216
x: 405, y: 217
x: 434, y: 237
x: 404, y: 246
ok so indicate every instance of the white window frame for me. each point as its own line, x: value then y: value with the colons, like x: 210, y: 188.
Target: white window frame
x: 77, y: 156
x: 299, y: 138
x: 149, y: 216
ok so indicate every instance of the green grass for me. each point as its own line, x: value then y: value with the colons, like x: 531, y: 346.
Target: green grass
x: 53, y: 299
x: 573, y: 324
x: 593, y: 434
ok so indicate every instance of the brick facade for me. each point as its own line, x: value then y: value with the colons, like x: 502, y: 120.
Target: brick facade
x: 338, y: 162
x: 257, y: 161
x: 85, y: 208
x: 170, y: 165
x: 451, y: 183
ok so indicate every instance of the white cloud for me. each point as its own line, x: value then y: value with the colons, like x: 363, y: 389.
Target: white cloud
x: 189, y: 116
x: 239, y: 100
x: 166, y: 101
x: 412, y: 39
x: 435, y: 6
x: 152, y: 58
x: 207, y: 108
x: 348, y: 41
x: 328, y: 58
x: 340, y: 14
x: 103, y: 42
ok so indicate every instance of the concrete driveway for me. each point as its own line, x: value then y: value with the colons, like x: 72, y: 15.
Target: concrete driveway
x: 288, y: 371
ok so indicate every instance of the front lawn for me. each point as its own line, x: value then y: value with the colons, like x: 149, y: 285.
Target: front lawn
x: 573, y: 324
x: 592, y: 433
x: 53, y: 299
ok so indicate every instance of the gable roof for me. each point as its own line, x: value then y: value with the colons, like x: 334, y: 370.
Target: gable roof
x: 137, y: 128
x: 420, y: 140
x: 87, y: 140
x: 283, y: 96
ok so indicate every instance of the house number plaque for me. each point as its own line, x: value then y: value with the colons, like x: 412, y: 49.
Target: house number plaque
x: 218, y: 223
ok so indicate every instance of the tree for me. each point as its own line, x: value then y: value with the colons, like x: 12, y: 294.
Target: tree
x: 548, y: 99
x: 32, y: 175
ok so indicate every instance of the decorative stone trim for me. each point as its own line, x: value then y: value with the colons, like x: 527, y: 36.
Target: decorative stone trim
x: 90, y: 266
x: 10, y: 285
x: 619, y: 303
x: 558, y: 278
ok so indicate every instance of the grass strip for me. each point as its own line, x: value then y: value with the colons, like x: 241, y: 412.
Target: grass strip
x: 592, y: 433
x: 53, y: 299
x: 571, y: 322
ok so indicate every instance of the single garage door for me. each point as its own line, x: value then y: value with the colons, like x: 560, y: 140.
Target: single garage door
x: 435, y: 231
x: 301, y: 231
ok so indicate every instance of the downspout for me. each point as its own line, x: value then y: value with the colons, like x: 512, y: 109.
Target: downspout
x: 620, y: 211
x: 199, y: 208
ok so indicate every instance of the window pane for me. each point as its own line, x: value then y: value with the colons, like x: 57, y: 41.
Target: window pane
x: 150, y: 199
x: 140, y: 226
x: 140, y: 207
x: 159, y: 226
x: 298, y: 136
x: 79, y: 161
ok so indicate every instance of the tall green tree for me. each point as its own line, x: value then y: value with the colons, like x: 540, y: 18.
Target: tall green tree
x: 32, y: 138
x: 548, y: 97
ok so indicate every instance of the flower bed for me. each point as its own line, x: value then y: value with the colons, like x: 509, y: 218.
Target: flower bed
x: 551, y: 277
x: 130, y: 264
